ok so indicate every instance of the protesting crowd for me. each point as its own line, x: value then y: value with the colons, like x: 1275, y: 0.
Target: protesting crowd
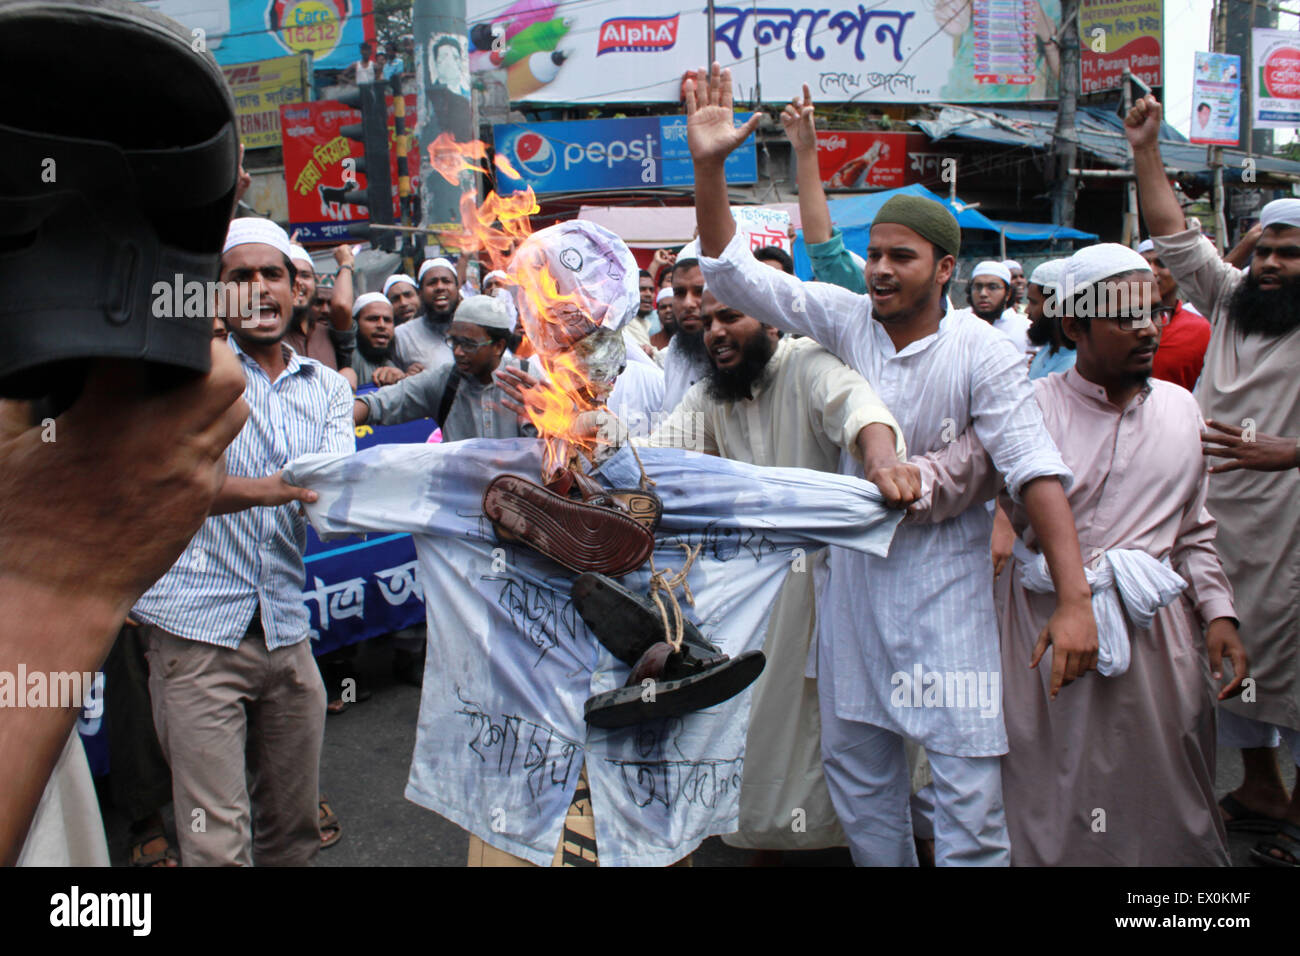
x: 948, y: 569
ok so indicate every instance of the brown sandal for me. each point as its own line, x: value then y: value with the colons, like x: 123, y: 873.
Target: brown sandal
x: 167, y: 857
x: 578, y: 535
x: 331, y: 831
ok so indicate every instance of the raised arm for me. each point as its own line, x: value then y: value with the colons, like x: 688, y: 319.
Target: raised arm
x: 1160, y: 208
x: 801, y: 130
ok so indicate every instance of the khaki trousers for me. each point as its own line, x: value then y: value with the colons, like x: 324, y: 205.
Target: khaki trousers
x: 242, y: 730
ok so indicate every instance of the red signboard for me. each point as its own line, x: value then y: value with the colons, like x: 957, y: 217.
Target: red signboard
x: 314, y: 153
x: 850, y: 160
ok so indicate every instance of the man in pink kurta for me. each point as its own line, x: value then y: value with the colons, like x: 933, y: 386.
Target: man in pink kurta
x: 1118, y: 770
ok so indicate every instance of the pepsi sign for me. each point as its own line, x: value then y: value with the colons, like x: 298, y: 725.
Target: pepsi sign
x: 583, y: 155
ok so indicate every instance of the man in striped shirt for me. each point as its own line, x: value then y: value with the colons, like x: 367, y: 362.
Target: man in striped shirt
x: 238, y: 702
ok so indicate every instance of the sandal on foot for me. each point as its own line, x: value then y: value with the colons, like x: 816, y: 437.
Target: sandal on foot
x: 580, y: 536
x: 1286, y: 841
x: 331, y: 831
x: 1238, y: 818
x: 166, y: 857
x: 628, y: 624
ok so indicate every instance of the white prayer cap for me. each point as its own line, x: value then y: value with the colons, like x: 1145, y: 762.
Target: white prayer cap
x: 1281, y: 212
x: 253, y: 229
x: 494, y: 274
x: 485, y: 310
x: 664, y: 293
x: 996, y: 269
x: 1146, y: 245
x: 299, y: 254
x: 370, y: 298
x: 393, y: 280
x: 438, y: 263
x: 1092, y: 264
x: 1048, y: 274
x: 689, y: 251
x: 1012, y: 264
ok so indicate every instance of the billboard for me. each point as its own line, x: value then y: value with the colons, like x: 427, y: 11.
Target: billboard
x: 852, y: 160
x: 583, y: 155
x: 241, y: 31
x: 1216, y: 99
x: 895, y: 51
x: 1114, y: 34
x: 314, y: 150
x: 260, y: 89
x: 1275, y: 55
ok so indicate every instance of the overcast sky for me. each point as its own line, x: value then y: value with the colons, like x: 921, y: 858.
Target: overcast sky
x: 1187, y: 29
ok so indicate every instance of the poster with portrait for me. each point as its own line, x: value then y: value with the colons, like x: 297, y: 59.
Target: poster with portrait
x: 1216, y: 99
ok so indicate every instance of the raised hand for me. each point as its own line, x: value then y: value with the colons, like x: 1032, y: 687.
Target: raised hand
x: 800, y: 127
x: 711, y: 132
x: 1142, y: 125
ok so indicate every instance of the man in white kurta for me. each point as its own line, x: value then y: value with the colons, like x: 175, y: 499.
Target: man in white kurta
x: 930, y: 605
x: 804, y: 411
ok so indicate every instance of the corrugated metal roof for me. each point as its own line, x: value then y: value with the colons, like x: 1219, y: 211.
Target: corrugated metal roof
x: 1100, y: 132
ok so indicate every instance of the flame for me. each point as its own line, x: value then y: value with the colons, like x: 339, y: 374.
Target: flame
x: 503, y: 164
x: 450, y: 158
x: 556, y: 321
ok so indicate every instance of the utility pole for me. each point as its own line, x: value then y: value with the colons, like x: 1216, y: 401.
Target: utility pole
x: 1131, y: 230
x: 1216, y: 152
x: 1065, y: 143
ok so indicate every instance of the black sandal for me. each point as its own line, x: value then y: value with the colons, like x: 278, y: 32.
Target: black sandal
x: 1286, y: 841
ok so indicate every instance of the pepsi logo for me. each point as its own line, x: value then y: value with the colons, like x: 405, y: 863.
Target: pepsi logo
x: 534, y: 153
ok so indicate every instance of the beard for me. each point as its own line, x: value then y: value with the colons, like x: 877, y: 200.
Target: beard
x: 1040, y: 332
x: 735, y: 384
x: 692, y: 345
x: 375, y: 356
x: 1270, y: 312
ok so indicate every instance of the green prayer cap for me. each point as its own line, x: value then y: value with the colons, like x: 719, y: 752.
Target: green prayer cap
x: 927, y: 218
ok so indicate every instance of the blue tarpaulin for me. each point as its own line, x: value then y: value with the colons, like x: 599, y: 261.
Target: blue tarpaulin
x: 854, y: 214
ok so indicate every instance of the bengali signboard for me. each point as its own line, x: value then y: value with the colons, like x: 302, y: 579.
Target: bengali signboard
x: 856, y: 160
x: 260, y: 89
x: 1114, y: 34
x: 634, y: 153
x: 241, y: 31
x: 314, y: 150
x: 896, y: 51
x: 1276, y: 58
x: 1216, y: 99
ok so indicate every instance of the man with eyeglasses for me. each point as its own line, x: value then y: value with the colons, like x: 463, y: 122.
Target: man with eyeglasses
x: 1119, y: 771
x: 462, y: 396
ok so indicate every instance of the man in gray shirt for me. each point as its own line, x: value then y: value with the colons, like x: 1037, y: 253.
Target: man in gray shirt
x: 461, y: 395
x: 422, y: 340
x: 372, y: 359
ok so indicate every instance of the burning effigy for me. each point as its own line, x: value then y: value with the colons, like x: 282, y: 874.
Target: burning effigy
x: 527, y: 702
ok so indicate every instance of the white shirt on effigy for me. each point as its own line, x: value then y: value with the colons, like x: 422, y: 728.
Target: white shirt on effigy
x: 930, y: 603
x: 501, y: 736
